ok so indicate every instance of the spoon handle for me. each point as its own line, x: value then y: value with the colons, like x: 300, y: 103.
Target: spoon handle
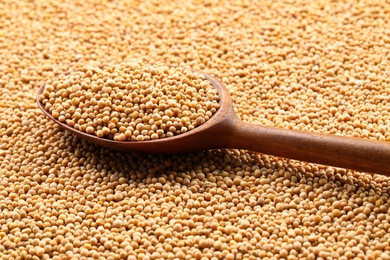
x: 339, y: 151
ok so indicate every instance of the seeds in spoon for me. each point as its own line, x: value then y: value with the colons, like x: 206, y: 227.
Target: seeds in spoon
x: 131, y: 102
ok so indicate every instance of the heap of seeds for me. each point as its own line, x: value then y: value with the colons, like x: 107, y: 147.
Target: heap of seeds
x: 315, y: 65
x: 131, y: 102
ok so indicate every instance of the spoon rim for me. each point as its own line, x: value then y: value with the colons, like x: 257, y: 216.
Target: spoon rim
x: 224, y: 109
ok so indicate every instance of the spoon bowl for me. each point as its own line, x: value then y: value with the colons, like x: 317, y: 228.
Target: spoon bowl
x: 200, y: 138
x: 225, y: 130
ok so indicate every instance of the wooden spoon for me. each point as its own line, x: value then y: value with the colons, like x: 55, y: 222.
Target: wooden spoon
x: 225, y: 130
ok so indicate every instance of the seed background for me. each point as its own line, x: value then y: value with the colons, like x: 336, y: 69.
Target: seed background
x: 318, y: 66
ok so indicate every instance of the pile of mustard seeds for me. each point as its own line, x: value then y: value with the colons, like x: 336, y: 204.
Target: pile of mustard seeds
x: 314, y: 65
x: 131, y: 102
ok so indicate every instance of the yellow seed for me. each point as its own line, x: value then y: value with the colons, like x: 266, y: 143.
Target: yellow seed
x: 117, y: 223
x: 90, y: 130
x: 204, y: 243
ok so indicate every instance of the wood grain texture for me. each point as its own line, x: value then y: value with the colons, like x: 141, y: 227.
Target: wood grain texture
x: 340, y: 151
